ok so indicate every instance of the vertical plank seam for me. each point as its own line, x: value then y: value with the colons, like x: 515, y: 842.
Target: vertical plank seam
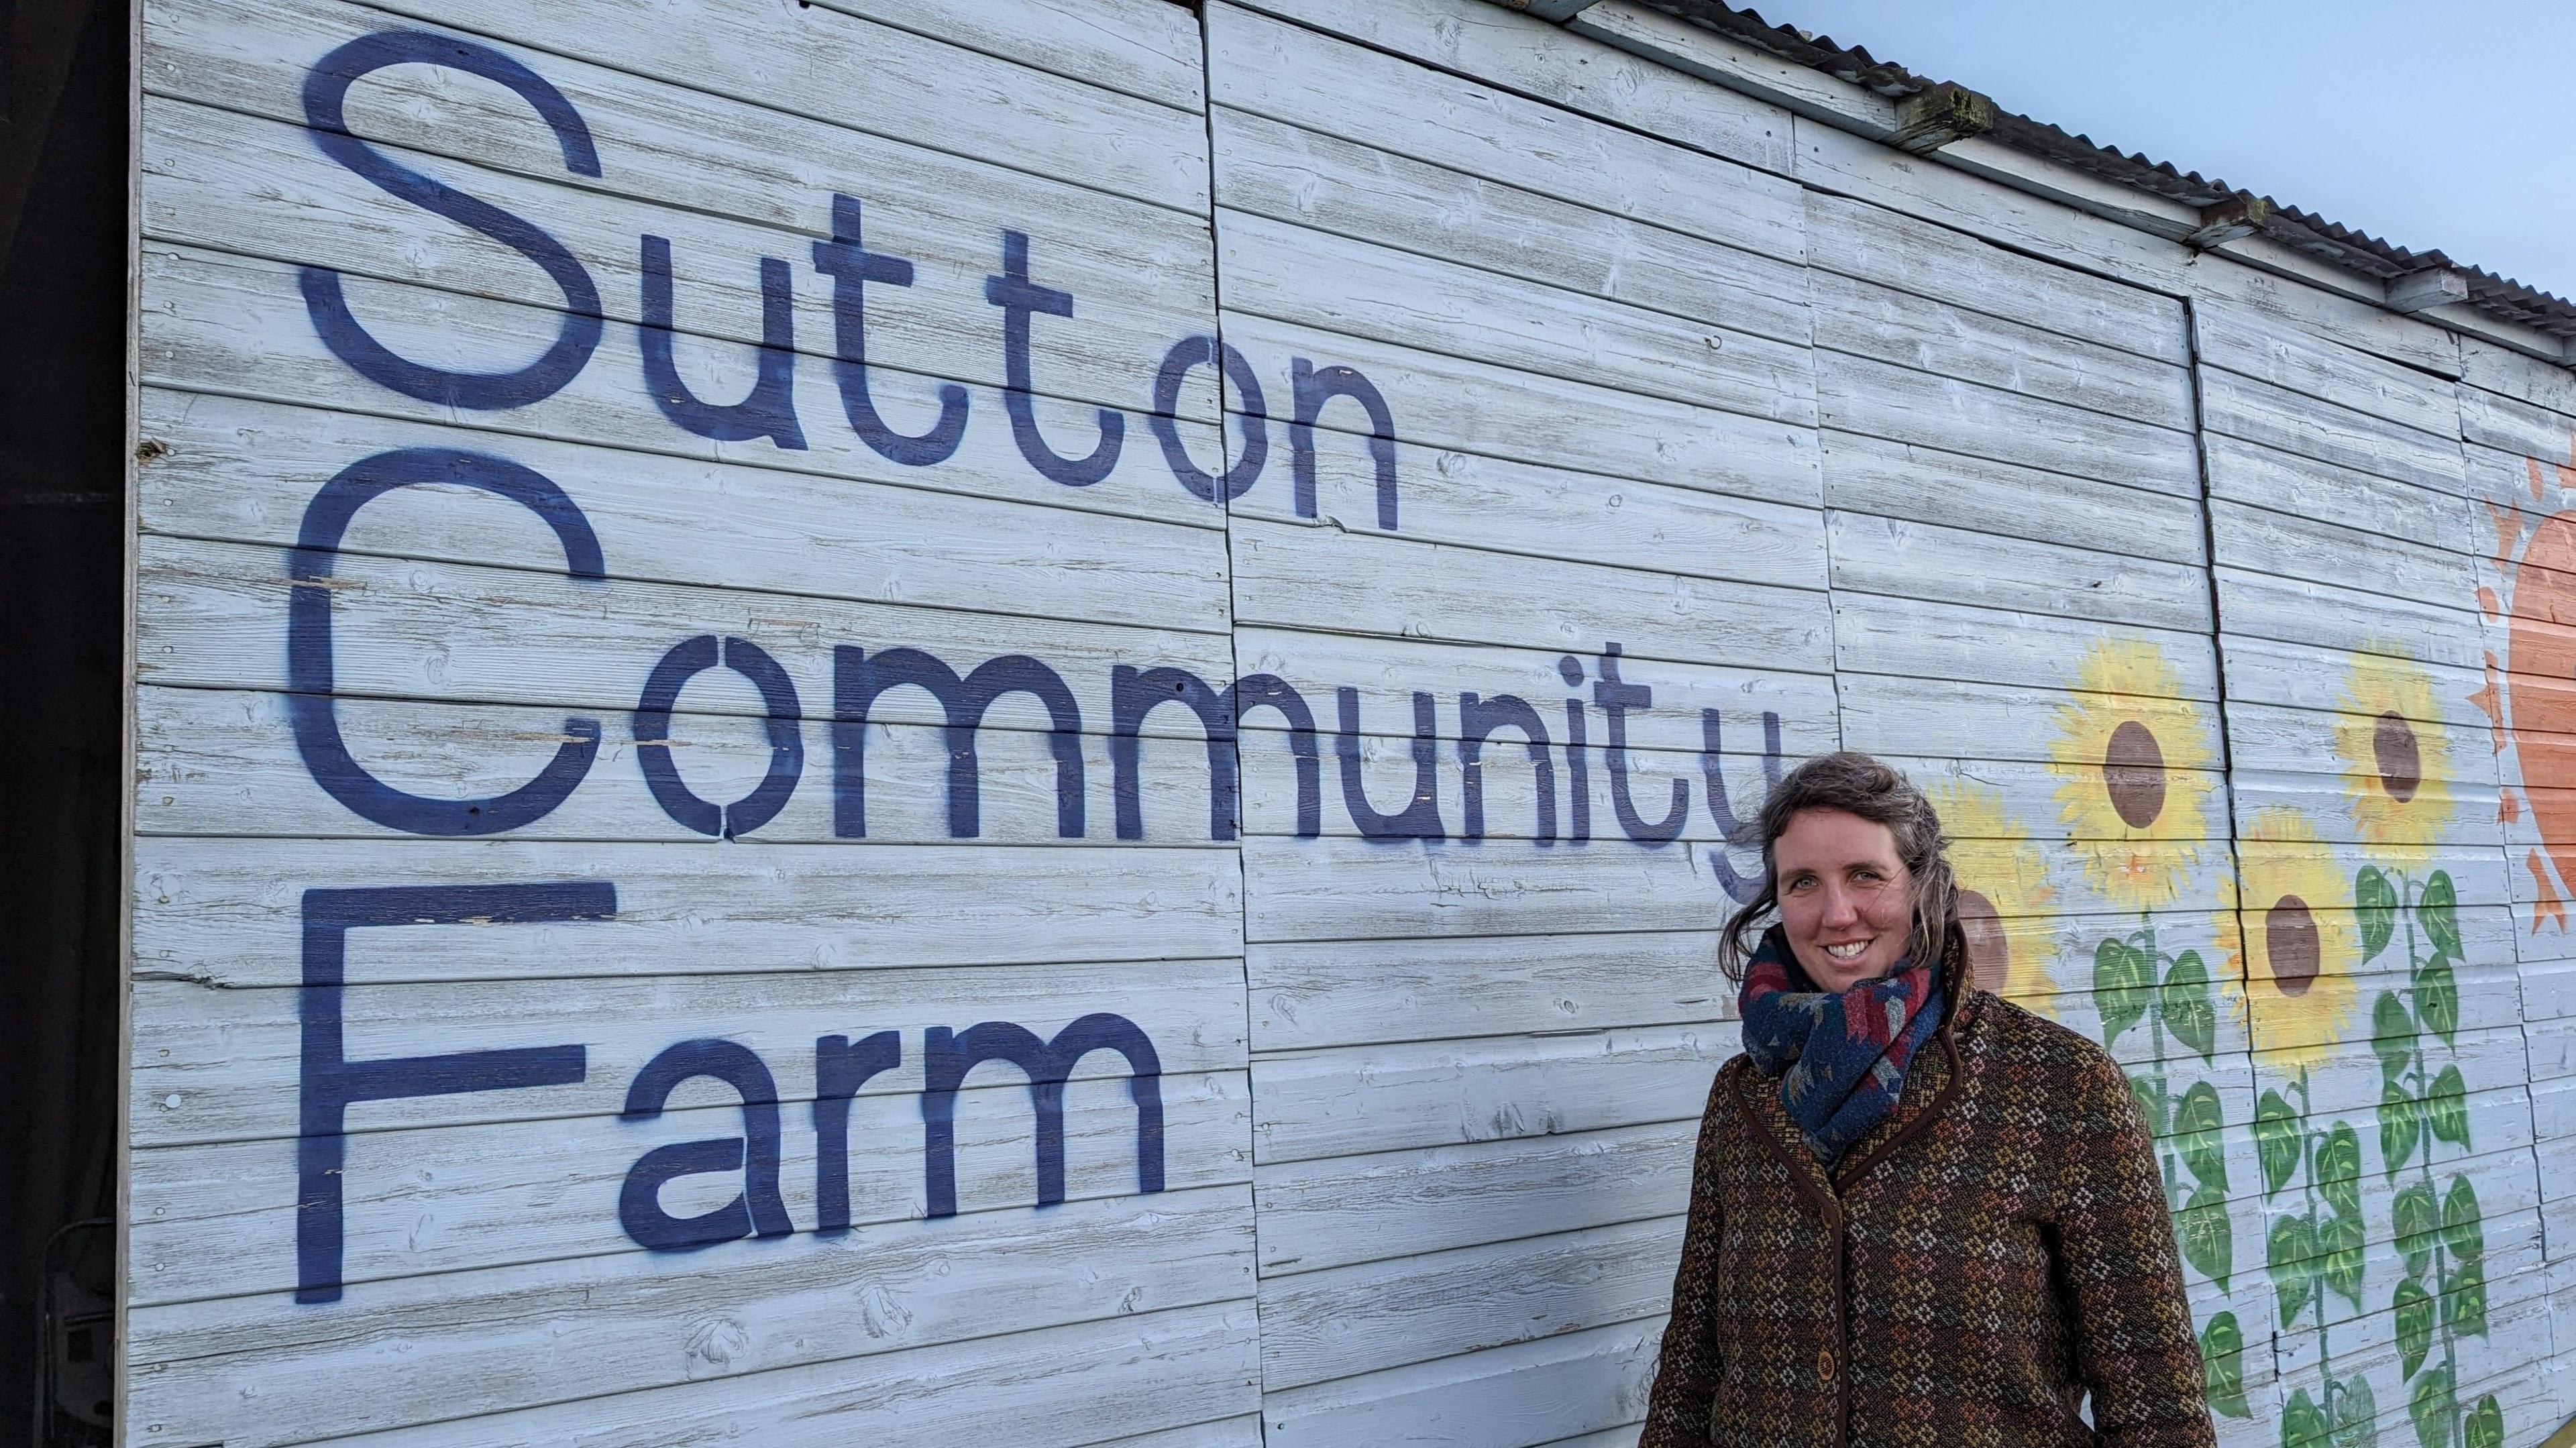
x: 1234, y: 655
x: 2226, y: 729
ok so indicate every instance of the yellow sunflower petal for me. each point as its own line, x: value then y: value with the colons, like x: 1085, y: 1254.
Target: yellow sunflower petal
x: 2295, y: 946
x: 2004, y: 896
x: 2396, y: 759
x: 2132, y: 757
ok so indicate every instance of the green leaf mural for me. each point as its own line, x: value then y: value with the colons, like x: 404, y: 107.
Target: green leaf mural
x: 2485, y: 1428
x: 2377, y: 903
x: 2293, y: 1241
x: 2392, y: 1036
x: 2190, y: 1010
x: 2413, y: 1308
x: 2464, y: 1302
x: 2276, y: 1140
x: 2432, y: 1407
x: 2437, y: 909
x: 2200, y: 1135
x: 2356, y: 1414
x: 2437, y: 1002
x: 2122, y: 976
x: 2207, y: 1237
x: 2342, y: 1240
x: 2463, y: 1230
x: 2400, y: 1126
x: 2222, y: 1366
x: 2339, y: 1170
x: 2418, y: 1219
x: 2302, y: 1421
x: 2446, y: 1107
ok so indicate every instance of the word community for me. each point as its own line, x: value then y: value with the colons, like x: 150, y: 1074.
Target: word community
x: 769, y: 409
x: 861, y: 678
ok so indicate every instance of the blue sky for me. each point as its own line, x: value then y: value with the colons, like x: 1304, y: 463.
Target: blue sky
x: 2449, y: 126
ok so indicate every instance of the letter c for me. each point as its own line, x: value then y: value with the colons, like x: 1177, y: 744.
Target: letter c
x: 309, y: 666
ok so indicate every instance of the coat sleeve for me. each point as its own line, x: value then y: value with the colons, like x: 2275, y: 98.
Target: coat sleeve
x: 2130, y: 1321
x: 1677, y: 1414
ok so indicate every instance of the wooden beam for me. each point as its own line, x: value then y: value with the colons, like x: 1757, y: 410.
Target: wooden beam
x: 1945, y: 113
x: 2438, y: 287
x: 2229, y: 220
x: 1559, y: 11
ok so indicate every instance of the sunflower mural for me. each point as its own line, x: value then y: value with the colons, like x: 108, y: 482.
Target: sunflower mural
x: 2396, y: 761
x: 2004, y: 895
x: 2291, y: 974
x: 2133, y: 759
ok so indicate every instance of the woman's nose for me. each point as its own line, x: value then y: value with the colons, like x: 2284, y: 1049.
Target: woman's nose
x: 1839, y: 908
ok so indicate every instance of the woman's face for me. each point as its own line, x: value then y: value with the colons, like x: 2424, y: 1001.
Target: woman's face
x: 1846, y: 900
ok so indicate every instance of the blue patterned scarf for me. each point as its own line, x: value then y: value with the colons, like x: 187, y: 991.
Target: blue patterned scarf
x: 1840, y: 1059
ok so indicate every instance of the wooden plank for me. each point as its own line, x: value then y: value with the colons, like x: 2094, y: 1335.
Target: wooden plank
x: 236, y: 183
x: 1887, y: 325
x: 2268, y: 672
x: 1386, y: 672
x: 213, y: 1065
x: 2517, y: 428
x: 220, y: 1220
x: 1409, y: 889
x: 1306, y: 996
x: 1297, y: 77
x: 1521, y: 54
x: 1054, y: 1386
x: 1558, y: 514
x: 1310, y: 278
x: 246, y: 472
x: 236, y: 327
x: 1508, y: 1397
x: 1387, y: 774
x: 231, y: 916
x: 1324, y: 182
x: 2329, y: 616
x: 2469, y: 809
x: 1449, y: 403
x: 2259, y: 412
x: 1886, y: 556
x: 1304, y: 577
x: 2365, y: 508
x: 1318, y: 1326
x: 1858, y: 395
x: 1440, y: 1093
x: 1142, y: 47
x: 1925, y: 485
x: 1943, y: 719
x: 2494, y: 369
x: 1937, y: 262
x: 1958, y: 642
x: 221, y: 763
x: 921, y: 91
x: 2022, y: 217
x: 2243, y: 341
x: 214, y: 615
x: 1335, y: 1212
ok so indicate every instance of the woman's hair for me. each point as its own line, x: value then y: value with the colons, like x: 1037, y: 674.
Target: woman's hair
x: 1859, y: 785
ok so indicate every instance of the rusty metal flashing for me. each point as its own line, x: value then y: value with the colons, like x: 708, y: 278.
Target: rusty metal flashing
x: 2413, y: 280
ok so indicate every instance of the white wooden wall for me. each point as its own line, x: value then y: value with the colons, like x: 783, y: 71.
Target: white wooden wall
x: 1822, y: 445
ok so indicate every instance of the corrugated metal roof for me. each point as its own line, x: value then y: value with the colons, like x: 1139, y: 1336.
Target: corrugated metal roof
x: 2305, y: 231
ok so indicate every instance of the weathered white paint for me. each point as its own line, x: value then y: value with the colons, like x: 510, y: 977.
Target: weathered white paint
x: 1821, y: 444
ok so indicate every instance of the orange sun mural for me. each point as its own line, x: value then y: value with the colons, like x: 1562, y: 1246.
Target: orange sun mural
x: 2530, y: 694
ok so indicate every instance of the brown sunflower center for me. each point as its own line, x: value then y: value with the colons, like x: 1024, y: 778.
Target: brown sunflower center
x: 2290, y: 944
x: 1989, y: 952
x: 2400, y: 759
x: 2133, y: 770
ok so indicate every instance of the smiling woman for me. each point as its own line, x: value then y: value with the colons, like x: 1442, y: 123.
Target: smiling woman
x: 1888, y: 1116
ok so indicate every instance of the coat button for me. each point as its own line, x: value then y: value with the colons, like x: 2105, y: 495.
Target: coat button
x: 1824, y: 1364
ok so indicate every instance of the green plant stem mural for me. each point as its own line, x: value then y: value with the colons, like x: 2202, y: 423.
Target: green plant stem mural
x: 2440, y: 1231
x: 2315, y: 1252
x: 2135, y: 983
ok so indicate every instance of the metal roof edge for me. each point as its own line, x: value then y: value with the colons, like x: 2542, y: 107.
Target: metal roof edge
x: 1848, y: 88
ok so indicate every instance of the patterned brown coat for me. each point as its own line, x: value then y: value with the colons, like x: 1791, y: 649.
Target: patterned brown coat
x: 1974, y: 1263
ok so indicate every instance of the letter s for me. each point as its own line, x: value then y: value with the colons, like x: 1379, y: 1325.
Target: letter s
x: 326, y: 90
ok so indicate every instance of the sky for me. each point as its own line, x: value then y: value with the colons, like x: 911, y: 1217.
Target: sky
x: 2428, y: 125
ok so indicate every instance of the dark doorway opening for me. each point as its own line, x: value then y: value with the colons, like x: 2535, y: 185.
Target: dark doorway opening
x: 63, y: 300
